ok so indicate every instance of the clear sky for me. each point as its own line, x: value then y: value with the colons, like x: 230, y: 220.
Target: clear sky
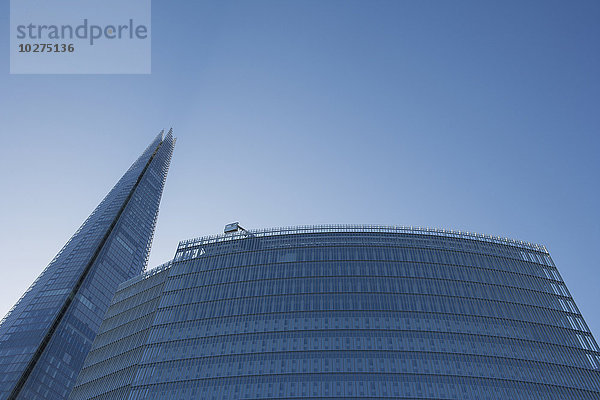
x: 469, y: 115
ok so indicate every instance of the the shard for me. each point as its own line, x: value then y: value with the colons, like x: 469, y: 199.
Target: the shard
x: 46, y: 336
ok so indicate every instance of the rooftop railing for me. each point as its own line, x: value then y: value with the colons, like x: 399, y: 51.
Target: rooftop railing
x: 291, y: 230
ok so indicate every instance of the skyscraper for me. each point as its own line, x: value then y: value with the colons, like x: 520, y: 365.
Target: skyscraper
x: 325, y: 312
x: 46, y: 336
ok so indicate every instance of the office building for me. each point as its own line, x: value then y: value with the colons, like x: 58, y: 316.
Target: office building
x: 339, y: 311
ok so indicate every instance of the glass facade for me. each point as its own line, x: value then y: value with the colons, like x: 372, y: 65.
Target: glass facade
x: 45, y: 338
x: 345, y: 312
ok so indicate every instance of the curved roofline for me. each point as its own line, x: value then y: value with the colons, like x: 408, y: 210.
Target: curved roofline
x: 290, y: 230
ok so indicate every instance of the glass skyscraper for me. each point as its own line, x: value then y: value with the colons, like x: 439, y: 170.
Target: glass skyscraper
x: 351, y: 312
x: 46, y: 336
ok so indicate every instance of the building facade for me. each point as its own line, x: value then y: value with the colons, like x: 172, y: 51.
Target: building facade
x: 46, y: 336
x: 347, y: 312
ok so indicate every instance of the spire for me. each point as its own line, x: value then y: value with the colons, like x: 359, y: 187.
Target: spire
x: 45, y: 337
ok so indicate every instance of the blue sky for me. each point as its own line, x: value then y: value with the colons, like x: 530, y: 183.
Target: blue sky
x: 475, y: 116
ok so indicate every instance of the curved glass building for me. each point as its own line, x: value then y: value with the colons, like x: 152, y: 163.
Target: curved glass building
x: 345, y: 312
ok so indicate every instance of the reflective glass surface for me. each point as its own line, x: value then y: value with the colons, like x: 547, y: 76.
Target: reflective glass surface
x: 45, y: 338
x: 327, y: 313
